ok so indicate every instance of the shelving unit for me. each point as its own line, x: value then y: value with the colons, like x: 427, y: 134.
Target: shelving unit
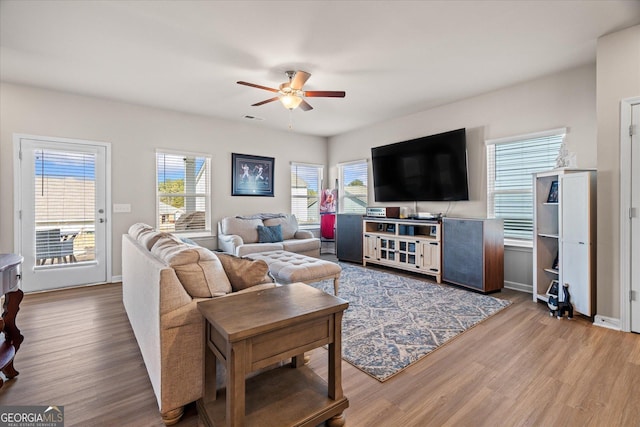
x: 413, y: 245
x: 565, y: 236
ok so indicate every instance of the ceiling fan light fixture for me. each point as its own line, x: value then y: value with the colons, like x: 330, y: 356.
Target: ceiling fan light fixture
x: 290, y: 101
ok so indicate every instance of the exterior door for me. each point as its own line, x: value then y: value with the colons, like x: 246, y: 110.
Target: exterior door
x: 635, y: 219
x: 62, y: 212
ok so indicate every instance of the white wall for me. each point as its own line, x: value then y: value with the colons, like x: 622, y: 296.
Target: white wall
x: 618, y: 59
x: 559, y: 100
x: 134, y: 133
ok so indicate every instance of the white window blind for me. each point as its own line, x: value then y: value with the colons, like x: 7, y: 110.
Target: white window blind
x: 306, y: 180
x: 183, y: 193
x: 353, y: 192
x: 65, y: 206
x: 510, y: 165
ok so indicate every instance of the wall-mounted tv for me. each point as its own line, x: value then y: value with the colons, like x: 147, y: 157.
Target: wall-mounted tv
x: 431, y: 168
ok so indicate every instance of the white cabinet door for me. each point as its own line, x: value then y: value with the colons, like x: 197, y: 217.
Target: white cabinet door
x: 575, y: 262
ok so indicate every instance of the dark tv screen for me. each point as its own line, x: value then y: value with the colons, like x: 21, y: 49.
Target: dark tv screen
x: 431, y: 168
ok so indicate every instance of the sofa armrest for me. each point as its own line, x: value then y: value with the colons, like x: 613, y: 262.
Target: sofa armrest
x: 229, y: 242
x: 303, y: 234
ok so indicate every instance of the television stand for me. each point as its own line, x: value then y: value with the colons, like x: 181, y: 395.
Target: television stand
x: 407, y: 244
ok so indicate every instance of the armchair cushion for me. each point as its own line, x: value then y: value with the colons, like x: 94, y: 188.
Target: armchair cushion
x: 269, y: 233
x: 247, y: 229
x: 288, y: 223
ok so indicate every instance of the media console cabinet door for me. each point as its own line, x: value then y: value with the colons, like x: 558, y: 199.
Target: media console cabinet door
x: 462, y: 247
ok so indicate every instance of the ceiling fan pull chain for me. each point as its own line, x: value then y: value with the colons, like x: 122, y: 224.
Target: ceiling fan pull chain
x: 290, y: 119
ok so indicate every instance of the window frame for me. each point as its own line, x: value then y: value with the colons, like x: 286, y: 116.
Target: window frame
x: 207, y: 232
x: 341, y: 180
x: 491, y: 176
x: 320, y: 176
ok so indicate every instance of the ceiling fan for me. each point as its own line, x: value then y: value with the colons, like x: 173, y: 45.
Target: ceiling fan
x: 291, y: 94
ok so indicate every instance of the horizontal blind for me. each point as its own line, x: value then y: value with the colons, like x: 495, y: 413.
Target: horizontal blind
x: 353, y: 187
x: 305, y: 190
x: 65, y: 206
x: 510, y: 166
x: 183, y: 192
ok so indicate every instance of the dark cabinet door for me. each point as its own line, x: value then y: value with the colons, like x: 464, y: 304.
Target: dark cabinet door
x: 349, y: 237
x: 463, y: 249
x: 473, y: 253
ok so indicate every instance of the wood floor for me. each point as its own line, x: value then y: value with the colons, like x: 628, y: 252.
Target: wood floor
x: 518, y: 368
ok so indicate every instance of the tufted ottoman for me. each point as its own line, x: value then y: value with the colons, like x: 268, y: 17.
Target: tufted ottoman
x: 289, y: 267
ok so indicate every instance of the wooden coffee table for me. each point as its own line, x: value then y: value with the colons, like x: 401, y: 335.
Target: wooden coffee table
x: 254, y: 330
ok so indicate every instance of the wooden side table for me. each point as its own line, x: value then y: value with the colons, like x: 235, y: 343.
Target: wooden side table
x: 11, y: 337
x: 254, y: 330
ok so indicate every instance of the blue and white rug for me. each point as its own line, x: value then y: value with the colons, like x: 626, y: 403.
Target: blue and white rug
x: 393, y: 321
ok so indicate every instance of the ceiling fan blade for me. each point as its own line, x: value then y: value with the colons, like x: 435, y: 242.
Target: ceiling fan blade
x: 266, y: 101
x: 258, y: 86
x: 304, y: 105
x: 324, y: 94
x: 299, y: 79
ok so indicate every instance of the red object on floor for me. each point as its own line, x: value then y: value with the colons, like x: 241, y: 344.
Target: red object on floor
x: 327, y: 223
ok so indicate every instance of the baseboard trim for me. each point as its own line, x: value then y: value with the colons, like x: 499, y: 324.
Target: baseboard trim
x: 522, y: 287
x: 607, y: 322
x: 115, y: 279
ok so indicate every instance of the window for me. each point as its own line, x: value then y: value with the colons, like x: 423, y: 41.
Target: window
x: 306, y: 180
x: 183, y: 193
x: 510, y: 165
x: 353, y: 187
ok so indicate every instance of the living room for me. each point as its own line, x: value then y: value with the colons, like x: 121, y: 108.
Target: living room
x: 584, y: 98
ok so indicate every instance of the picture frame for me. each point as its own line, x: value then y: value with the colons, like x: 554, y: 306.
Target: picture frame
x: 553, y: 193
x: 552, y: 290
x: 251, y: 175
x: 433, y: 231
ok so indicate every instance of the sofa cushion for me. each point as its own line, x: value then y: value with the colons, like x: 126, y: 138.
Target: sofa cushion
x: 148, y: 238
x: 198, y: 269
x: 301, y: 245
x: 289, y: 225
x: 269, y: 233
x: 244, y: 273
x: 247, y: 229
x: 137, y: 228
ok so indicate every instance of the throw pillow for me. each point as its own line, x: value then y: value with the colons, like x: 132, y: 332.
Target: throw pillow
x: 269, y: 233
x: 243, y: 272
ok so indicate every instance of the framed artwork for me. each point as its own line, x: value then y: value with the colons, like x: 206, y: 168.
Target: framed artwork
x: 251, y: 175
x: 553, y: 288
x: 553, y: 193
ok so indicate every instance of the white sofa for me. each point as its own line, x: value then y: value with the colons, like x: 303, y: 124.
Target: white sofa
x: 162, y: 281
x: 240, y: 236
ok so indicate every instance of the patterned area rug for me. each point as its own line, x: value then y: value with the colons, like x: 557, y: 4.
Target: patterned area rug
x: 393, y: 321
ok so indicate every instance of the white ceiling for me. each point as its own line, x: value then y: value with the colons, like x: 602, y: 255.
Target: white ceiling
x: 393, y: 58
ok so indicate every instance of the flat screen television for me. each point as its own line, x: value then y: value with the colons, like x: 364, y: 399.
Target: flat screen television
x: 431, y: 168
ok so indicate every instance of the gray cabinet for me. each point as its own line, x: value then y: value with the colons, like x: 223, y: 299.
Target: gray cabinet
x: 349, y: 237
x: 473, y: 253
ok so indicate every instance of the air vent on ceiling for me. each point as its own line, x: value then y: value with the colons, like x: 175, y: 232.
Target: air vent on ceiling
x: 250, y: 117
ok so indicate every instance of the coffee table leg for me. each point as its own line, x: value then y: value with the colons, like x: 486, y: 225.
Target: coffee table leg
x: 335, y: 360
x: 235, y: 404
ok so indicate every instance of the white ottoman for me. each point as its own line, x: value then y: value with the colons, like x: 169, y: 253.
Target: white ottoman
x: 289, y: 267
